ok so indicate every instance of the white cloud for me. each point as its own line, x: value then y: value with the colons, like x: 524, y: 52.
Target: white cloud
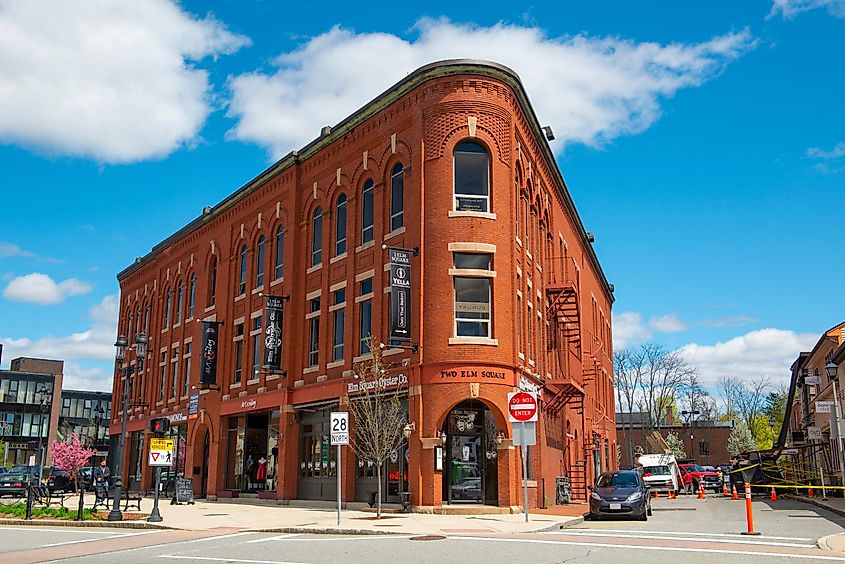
x: 837, y: 152
x: 628, y: 329
x: 669, y: 323
x: 589, y: 89
x: 791, y: 8
x: 730, y: 321
x: 762, y: 353
x: 111, y: 80
x: 82, y: 352
x: 41, y: 289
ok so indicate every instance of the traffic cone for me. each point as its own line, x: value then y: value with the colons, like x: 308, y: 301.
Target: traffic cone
x: 774, y: 494
x: 725, y: 491
x: 655, y: 495
x: 700, y: 491
x: 733, y: 493
x: 810, y: 493
x: 671, y: 494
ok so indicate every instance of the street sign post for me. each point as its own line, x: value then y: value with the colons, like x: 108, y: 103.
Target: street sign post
x: 339, y: 429
x: 161, y: 454
x: 522, y: 411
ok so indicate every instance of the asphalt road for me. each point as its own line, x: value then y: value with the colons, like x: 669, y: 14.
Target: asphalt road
x: 697, y: 531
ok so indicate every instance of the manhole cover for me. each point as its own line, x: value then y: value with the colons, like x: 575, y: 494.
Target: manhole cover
x: 215, y: 514
x: 427, y: 538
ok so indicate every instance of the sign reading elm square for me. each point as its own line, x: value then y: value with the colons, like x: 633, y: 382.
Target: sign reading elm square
x: 400, y: 295
x: 522, y: 407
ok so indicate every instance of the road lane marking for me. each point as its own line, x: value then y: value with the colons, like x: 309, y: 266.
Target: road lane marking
x: 213, y: 559
x: 686, y: 533
x: 663, y: 548
x: 268, y: 539
x: 60, y: 530
x: 655, y: 537
x: 97, y: 539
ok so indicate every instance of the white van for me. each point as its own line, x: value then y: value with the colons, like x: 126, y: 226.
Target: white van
x: 660, y: 472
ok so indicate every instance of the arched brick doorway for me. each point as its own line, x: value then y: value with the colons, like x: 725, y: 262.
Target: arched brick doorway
x: 471, y: 462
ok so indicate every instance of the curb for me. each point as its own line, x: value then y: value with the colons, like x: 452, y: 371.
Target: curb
x: 813, y: 501
x: 329, y: 531
x: 822, y: 542
x: 94, y: 524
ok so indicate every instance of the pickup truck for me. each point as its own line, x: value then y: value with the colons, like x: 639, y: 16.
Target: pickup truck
x: 693, y: 475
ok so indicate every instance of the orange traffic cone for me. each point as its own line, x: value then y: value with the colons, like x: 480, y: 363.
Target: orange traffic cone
x: 774, y: 494
x: 725, y: 491
x: 700, y: 491
x: 733, y: 493
x: 671, y: 494
x: 810, y: 493
x: 656, y: 495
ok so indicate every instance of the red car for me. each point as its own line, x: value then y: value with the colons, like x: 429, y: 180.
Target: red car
x: 694, y: 475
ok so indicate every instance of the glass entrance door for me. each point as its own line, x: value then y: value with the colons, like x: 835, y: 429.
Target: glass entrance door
x: 465, y: 459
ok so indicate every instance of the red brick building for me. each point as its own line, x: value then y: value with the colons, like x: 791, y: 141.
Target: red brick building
x: 506, y: 293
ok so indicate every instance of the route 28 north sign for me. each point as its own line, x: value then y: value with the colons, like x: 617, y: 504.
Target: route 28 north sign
x: 522, y: 407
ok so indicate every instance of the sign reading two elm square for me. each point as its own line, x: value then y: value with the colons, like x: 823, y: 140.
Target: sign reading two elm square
x: 400, y: 295
x: 522, y: 407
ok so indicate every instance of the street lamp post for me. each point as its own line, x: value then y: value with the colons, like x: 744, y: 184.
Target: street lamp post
x: 121, y: 345
x: 688, y: 417
x: 831, y: 369
x: 99, y: 416
x: 46, y: 401
x: 772, y: 429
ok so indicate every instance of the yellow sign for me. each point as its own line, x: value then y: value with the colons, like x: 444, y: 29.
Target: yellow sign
x: 162, y: 444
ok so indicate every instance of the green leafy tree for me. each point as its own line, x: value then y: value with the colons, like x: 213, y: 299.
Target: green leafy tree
x: 740, y: 440
x: 676, y: 444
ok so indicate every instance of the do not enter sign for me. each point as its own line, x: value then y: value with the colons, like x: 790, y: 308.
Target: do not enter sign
x: 522, y: 407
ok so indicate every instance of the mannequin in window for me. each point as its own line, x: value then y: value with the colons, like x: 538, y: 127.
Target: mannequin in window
x: 261, y: 472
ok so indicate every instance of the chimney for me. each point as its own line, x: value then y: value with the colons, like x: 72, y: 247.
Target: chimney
x: 670, y: 420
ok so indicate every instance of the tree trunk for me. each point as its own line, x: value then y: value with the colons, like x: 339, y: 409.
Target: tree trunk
x: 378, y: 500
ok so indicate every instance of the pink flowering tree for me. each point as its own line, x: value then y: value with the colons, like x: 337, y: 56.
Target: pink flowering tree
x: 72, y: 456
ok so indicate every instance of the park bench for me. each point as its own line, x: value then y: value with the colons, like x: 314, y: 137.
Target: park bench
x: 132, y: 498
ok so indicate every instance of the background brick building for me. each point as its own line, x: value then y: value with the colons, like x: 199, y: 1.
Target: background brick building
x: 507, y: 293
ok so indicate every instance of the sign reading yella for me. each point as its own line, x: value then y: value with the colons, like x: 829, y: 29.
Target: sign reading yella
x: 400, y: 295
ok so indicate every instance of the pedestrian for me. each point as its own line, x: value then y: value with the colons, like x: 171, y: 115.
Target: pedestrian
x: 101, y: 476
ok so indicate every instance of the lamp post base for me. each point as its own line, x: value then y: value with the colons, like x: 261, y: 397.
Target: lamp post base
x: 115, y: 516
x: 155, y: 516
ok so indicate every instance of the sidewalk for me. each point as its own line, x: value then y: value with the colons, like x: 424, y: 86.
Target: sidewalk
x: 833, y: 504
x: 265, y: 516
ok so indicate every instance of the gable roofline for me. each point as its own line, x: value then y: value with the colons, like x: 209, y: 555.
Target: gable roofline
x: 431, y: 71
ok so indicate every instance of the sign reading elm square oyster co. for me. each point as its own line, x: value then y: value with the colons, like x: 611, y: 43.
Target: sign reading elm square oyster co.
x: 400, y: 295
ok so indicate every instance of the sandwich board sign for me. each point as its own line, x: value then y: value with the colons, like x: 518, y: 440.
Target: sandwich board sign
x: 161, y: 452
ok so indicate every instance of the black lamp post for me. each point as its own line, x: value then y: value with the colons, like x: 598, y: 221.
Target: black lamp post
x: 99, y: 416
x: 688, y: 416
x: 46, y: 401
x: 140, y: 346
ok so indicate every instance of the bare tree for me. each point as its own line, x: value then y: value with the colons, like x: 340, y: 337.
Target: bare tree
x: 664, y: 375
x: 745, y: 400
x: 628, y: 370
x: 376, y: 408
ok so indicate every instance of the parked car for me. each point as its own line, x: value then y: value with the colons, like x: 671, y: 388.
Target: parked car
x: 60, y: 480
x: 3, y: 470
x: 694, y: 475
x: 660, y: 472
x: 620, y: 494
x: 15, y: 480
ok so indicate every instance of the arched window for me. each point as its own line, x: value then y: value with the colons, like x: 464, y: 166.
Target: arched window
x: 242, y: 276
x: 317, y: 237
x: 340, y: 226
x: 212, y: 281
x: 259, y: 263
x: 180, y: 293
x: 397, y: 197
x: 472, y: 177
x: 279, y: 258
x: 192, y: 295
x: 168, y: 302
x: 367, y: 212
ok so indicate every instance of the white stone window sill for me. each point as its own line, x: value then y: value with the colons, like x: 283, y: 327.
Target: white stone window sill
x: 233, y: 386
x: 240, y: 297
x: 258, y: 289
x: 395, y: 233
x: 314, y: 268
x: 365, y: 246
x: 339, y: 257
x: 277, y: 281
x: 335, y: 364
x: 209, y: 308
x: 473, y: 341
x: 391, y: 352
x: 253, y: 381
x: 363, y: 357
x: 310, y: 370
x: 521, y: 356
x: 481, y: 215
x: 472, y: 272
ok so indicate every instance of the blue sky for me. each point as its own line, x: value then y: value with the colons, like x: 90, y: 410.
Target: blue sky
x: 704, y: 146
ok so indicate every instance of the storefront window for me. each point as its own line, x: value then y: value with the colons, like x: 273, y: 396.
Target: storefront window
x: 253, y: 452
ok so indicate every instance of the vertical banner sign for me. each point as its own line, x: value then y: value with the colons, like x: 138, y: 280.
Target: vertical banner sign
x: 273, y: 312
x: 400, y: 295
x: 208, y: 366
